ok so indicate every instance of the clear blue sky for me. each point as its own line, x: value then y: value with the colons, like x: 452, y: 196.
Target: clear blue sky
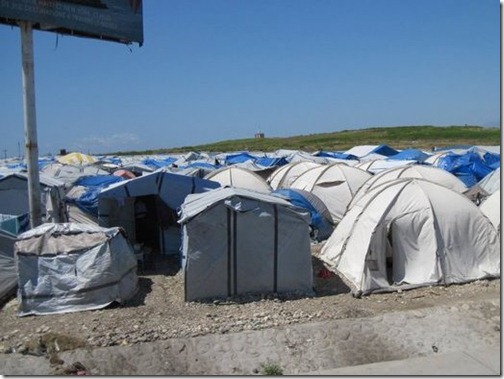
x: 212, y: 70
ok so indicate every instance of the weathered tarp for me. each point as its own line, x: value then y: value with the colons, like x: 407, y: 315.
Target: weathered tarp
x: 237, y: 241
x: 73, y: 267
x: 469, y: 167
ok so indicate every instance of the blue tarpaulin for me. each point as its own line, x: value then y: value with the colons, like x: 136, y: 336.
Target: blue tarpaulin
x: 201, y: 165
x: 468, y: 167
x: 410, y: 155
x: 384, y: 150
x: 271, y: 162
x: 239, y: 158
x: 158, y: 163
x: 88, y: 202
x: 336, y: 154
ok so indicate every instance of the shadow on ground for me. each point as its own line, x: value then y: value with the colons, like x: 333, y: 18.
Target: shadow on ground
x: 325, y: 282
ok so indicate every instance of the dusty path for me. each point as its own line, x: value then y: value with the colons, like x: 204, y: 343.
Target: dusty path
x: 296, y: 348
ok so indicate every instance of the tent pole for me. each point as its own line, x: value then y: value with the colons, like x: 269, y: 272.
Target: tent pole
x: 31, y: 147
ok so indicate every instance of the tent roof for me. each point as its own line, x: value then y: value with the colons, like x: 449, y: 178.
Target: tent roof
x: 491, y: 182
x: 432, y: 173
x: 197, y: 203
x: 45, y: 180
x: 239, y: 177
x: 55, y: 239
x: 172, y: 188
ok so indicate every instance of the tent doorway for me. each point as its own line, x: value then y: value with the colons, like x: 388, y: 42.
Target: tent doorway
x: 147, y: 223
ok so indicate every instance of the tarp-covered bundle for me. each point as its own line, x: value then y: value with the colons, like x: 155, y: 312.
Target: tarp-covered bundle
x: 73, y: 267
x: 237, y: 241
x: 409, y: 233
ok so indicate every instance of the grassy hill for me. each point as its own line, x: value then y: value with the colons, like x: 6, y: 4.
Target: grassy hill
x: 399, y: 137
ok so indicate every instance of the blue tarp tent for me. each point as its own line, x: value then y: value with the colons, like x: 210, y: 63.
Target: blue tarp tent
x: 468, y: 167
x: 158, y: 163
x: 239, y: 158
x: 88, y: 201
x: 384, y: 150
x: 204, y: 165
x: 336, y: 155
x: 410, y: 155
x: 271, y: 162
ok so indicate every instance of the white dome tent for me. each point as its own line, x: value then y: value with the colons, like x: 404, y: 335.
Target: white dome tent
x: 334, y: 184
x: 491, y: 207
x: 409, y: 233
x: 434, y: 174
x: 239, y: 177
x: 283, y: 176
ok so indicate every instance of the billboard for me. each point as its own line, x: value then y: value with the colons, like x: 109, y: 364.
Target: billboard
x: 113, y: 20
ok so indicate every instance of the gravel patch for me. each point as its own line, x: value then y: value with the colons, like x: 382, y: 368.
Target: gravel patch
x: 159, y: 313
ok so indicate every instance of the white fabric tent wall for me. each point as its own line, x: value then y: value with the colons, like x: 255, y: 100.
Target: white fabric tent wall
x: 334, y: 184
x: 375, y: 166
x: 237, y: 241
x: 432, y: 173
x: 239, y: 177
x: 491, y: 182
x: 303, y: 156
x: 361, y: 150
x: 433, y: 234
x: 283, y: 176
x: 491, y: 207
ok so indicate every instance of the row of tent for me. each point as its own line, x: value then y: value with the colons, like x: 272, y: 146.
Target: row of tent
x: 211, y: 216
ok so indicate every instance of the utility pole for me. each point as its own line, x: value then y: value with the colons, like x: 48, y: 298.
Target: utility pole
x: 30, y: 123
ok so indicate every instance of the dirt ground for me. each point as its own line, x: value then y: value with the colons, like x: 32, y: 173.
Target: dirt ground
x: 158, y: 312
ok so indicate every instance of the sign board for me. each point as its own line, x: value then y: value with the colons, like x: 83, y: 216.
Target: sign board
x: 113, y: 20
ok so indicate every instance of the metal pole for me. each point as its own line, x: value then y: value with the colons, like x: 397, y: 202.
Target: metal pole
x: 30, y: 120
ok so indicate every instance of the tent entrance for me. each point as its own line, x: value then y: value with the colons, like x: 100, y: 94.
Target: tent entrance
x: 147, y: 224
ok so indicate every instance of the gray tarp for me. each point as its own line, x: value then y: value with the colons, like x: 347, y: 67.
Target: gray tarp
x: 73, y: 267
x: 238, y: 241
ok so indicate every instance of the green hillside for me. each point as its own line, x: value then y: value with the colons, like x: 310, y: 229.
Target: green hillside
x: 399, y: 137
